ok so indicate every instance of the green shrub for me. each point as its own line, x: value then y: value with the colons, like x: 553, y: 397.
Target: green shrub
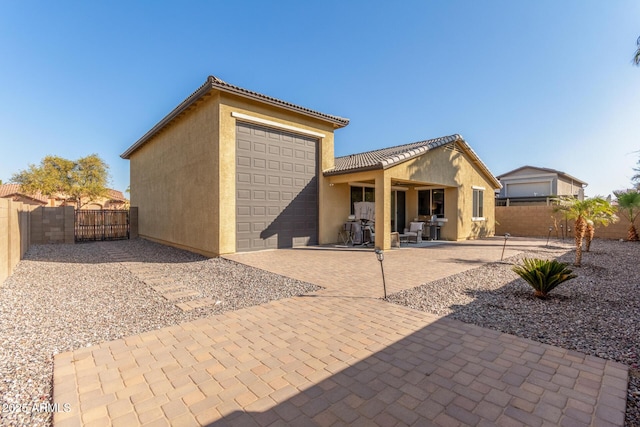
x: 543, y: 275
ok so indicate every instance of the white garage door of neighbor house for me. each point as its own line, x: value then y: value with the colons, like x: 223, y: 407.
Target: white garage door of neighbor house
x: 276, y: 189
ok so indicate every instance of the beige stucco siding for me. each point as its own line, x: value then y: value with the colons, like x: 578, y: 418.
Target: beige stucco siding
x: 174, y: 181
x: 454, y: 170
x: 442, y: 167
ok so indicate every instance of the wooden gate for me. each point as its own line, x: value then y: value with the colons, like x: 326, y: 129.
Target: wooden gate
x: 101, y: 225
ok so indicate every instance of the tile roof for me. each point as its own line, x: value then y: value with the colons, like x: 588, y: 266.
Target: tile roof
x: 8, y: 190
x: 214, y: 83
x: 116, y: 195
x: 391, y: 156
x: 386, y: 157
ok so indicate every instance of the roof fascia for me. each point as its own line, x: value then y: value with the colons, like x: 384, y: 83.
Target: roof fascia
x: 212, y: 84
x: 197, y: 95
x: 478, y: 162
x: 377, y: 166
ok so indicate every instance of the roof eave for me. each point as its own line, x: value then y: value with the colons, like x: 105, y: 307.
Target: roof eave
x: 338, y: 122
x: 332, y: 172
x: 476, y: 159
x: 198, y: 94
x: 212, y: 84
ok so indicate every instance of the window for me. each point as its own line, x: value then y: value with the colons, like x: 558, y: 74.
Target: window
x: 362, y: 194
x: 478, y: 203
x: 431, y: 202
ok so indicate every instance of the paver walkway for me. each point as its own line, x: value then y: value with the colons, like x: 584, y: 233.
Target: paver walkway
x: 159, y: 283
x: 357, y: 272
x: 325, y: 359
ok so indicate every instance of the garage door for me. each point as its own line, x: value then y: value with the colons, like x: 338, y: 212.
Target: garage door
x: 276, y: 189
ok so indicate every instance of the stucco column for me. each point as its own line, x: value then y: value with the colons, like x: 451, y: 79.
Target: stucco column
x: 225, y: 217
x: 383, y: 211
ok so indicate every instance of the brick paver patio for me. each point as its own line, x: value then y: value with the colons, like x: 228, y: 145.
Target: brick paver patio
x: 331, y: 359
x: 357, y: 272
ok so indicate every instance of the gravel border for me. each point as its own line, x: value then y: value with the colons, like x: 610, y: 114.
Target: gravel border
x: 52, y: 303
x: 598, y: 313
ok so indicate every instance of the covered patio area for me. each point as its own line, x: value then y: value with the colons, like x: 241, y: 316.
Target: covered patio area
x: 440, y: 180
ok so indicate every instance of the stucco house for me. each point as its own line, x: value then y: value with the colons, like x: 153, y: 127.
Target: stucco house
x: 537, y: 186
x: 232, y: 170
x: 114, y: 199
x: 13, y: 192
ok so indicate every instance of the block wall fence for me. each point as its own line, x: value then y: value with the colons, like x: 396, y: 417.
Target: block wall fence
x: 14, y: 234
x: 23, y: 225
x: 534, y: 221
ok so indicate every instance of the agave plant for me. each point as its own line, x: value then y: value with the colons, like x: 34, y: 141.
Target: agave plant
x: 543, y: 275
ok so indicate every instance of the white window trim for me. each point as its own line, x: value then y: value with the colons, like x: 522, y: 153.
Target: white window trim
x: 478, y: 218
x: 271, y: 123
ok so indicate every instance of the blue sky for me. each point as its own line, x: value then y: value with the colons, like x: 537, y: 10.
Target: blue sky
x: 545, y: 83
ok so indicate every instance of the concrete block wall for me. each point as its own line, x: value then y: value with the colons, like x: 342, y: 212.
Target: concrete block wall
x: 14, y: 235
x: 52, y: 225
x: 534, y: 221
x: 133, y: 222
x: 22, y: 225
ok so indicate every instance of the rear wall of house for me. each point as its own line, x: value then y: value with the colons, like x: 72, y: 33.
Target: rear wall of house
x: 173, y: 181
x: 568, y: 187
x: 458, y: 175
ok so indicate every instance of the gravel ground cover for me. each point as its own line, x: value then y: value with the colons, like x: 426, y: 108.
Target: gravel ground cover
x: 597, y: 313
x: 64, y: 297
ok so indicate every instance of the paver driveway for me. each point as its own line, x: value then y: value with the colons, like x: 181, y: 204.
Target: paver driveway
x: 331, y: 359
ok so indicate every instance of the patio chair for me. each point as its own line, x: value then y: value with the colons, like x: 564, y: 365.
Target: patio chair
x: 348, y: 232
x: 414, y: 232
x: 369, y: 234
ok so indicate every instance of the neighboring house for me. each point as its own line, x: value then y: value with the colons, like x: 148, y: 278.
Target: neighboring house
x: 537, y: 186
x: 12, y: 191
x: 113, y: 200
x: 232, y: 170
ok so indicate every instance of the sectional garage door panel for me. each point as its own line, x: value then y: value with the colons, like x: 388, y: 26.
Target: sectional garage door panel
x: 276, y: 189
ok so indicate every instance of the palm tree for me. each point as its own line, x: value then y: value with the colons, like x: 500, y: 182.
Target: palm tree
x: 600, y: 213
x: 636, y: 57
x: 577, y: 210
x: 629, y: 207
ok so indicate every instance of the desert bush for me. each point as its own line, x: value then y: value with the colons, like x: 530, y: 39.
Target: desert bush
x: 543, y: 275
